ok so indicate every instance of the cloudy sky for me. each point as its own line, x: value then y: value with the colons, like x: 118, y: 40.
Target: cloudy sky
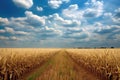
x: 59, y: 23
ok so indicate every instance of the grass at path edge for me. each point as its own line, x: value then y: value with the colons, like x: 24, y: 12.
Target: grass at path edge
x: 39, y: 71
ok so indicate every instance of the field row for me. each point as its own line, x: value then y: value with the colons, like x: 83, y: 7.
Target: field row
x: 14, y: 63
x: 104, y: 63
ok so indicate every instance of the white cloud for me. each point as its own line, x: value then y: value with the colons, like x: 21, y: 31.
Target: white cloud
x: 98, y: 24
x: 71, y: 23
x: 56, y: 3
x: 95, y: 9
x: 116, y: 20
x: 13, y: 38
x: 39, y: 8
x: 73, y: 7
x: 3, y: 38
x: 34, y: 19
x: 21, y: 32
x: 116, y: 16
x: 92, y: 9
x: 113, y: 18
x: 117, y: 37
x: 117, y: 10
x: 56, y: 18
x: 107, y: 14
x: 77, y: 36
x: 66, y: 1
x: 73, y: 12
x: 31, y: 24
x: 20, y: 19
x: 24, y: 3
x: 10, y: 30
x: 75, y: 23
x: 51, y: 30
x: 46, y: 33
x: 93, y: 1
x: 3, y: 21
x: 2, y: 31
x: 19, y: 22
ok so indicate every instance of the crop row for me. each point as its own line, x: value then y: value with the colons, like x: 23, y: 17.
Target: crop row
x: 14, y: 63
x: 104, y: 63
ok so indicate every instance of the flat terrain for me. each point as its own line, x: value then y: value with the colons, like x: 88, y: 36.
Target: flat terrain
x: 61, y: 67
x: 59, y: 64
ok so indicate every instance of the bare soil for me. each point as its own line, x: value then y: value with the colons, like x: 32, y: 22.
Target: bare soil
x: 62, y: 67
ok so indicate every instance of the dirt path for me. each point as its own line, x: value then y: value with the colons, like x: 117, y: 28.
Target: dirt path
x: 62, y: 67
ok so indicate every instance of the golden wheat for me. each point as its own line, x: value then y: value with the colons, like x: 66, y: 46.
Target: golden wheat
x: 105, y: 63
x: 16, y: 62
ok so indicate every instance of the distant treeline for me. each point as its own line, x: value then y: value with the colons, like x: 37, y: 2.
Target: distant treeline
x: 93, y: 47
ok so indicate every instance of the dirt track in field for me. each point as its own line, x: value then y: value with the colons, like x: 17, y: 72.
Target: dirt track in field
x: 62, y: 67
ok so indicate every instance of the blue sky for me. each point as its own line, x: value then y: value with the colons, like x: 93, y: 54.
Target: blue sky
x: 59, y: 23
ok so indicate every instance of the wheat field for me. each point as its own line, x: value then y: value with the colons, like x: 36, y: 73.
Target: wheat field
x: 104, y: 63
x: 64, y: 64
x: 15, y: 62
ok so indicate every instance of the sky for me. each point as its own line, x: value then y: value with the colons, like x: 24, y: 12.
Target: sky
x: 59, y: 23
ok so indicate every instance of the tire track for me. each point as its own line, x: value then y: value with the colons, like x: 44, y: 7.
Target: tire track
x: 62, y: 67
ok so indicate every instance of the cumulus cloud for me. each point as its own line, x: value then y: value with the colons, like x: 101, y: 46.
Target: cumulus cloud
x: 98, y: 24
x: 75, y: 24
x: 116, y: 16
x: 95, y: 9
x: 13, y: 38
x: 64, y: 22
x: 3, y: 38
x: 67, y: 26
x: 56, y: 3
x: 46, y: 33
x: 14, y: 27
x: 34, y: 19
x: 73, y: 7
x: 30, y: 24
x: 3, y: 21
x: 73, y: 30
x: 107, y: 14
x: 92, y: 9
x: 76, y: 36
x: 117, y: 37
x: 117, y: 10
x: 112, y: 17
x: 105, y: 32
x: 73, y: 12
x: 2, y: 31
x: 66, y: 1
x: 71, y: 33
x: 71, y: 23
x: 24, y: 3
x: 116, y: 20
x: 12, y: 31
x: 21, y: 32
x: 90, y: 12
x: 39, y: 8
x: 9, y: 30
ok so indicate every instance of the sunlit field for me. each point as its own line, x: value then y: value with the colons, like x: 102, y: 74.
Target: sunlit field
x: 104, y: 63
x: 59, y: 39
x: 14, y: 63
x: 59, y: 64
